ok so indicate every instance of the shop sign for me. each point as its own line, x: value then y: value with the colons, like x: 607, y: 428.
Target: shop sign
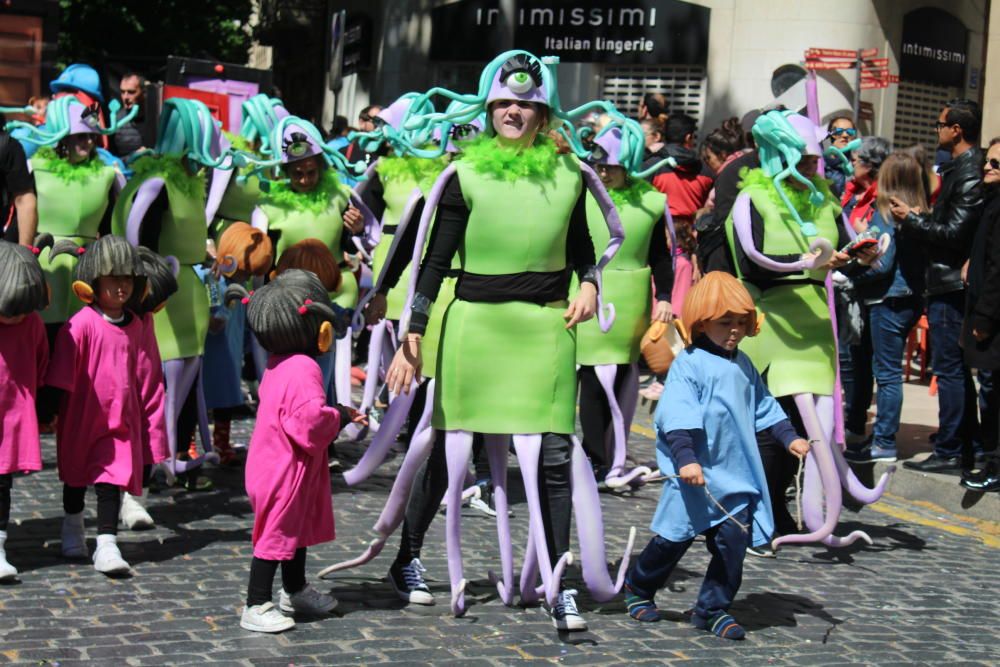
x: 934, y: 49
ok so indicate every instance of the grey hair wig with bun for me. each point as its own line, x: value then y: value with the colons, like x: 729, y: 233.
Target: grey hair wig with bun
x: 22, y: 284
x: 107, y: 256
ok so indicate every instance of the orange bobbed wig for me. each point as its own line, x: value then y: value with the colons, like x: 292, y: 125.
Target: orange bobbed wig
x: 244, y: 248
x: 715, y: 295
x: 311, y: 255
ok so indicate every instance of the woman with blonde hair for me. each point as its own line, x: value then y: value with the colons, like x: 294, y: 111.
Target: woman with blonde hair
x: 891, y: 291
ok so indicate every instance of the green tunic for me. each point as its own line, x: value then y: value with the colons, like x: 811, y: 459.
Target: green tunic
x: 796, y: 345
x: 510, y: 367
x: 238, y: 203
x: 625, y: 282
x: 69, y: 207
x: 182, y: 324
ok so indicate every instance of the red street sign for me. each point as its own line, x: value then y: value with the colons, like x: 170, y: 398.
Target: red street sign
x: 869, y: 84
x: 840, y: 53
x: 883, y: 77
x: 877, y: 62
x: 869, y: 53
x: 834, y: 64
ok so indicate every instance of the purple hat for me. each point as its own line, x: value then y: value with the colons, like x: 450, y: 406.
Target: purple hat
x: 520, y: 78
x: 83, y: 119
x: 608, y: 147
x: 465, y: 132
x: 394, y: 113
x: 811, y: 133
x: 297, y: 143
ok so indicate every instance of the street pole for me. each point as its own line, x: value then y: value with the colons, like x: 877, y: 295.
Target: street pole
x: 857, y: 88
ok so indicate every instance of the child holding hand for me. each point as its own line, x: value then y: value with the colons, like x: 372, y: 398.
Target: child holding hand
x: 714, y: 402
x: 287, y: 475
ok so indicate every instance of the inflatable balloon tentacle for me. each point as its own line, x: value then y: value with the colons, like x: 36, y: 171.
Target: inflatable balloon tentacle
x: 742, y: 225
x: 605, y: 312
x: 617, y: 477
x: 496, y: 451
x: 144, y: 198
x: 458, y: 450
x: 842, y: 154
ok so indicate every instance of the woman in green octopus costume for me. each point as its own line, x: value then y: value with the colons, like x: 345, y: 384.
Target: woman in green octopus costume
x: 782, y: 229
x: 163, y: 208
x: 310, y: 202
x: 506, y: 359
x: 75, y: 190
x: 609, y: 378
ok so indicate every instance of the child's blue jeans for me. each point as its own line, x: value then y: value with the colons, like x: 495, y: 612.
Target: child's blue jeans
x: 728, y: 545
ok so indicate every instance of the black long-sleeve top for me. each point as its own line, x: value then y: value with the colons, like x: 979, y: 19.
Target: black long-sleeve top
x: 451, y: 219
x: 660, y: 261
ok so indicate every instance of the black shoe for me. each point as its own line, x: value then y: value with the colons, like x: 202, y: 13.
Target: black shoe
x: 948, y: 464
x: 987, y: 479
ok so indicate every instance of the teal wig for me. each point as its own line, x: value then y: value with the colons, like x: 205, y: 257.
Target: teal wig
x: 65, y: 116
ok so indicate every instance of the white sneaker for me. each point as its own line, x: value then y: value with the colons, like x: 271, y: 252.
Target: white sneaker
x: 74, y: 540
x: 408, y: 582
x: 307, y: 601
x: 565, y: 615
x: 107, y: 558
x: 133, y: 513
x: 265, y: 618
x: 7, y: 571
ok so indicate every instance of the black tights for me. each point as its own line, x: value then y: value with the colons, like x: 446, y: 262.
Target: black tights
x: 780, y: 468
x: 293, y: 577
x: 6, y: 480
x: 595, y: 412
x: 109, y: 503
x: 431, y: 484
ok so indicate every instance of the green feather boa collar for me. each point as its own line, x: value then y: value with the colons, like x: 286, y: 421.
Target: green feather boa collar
x: 280, y: 194
x: 509, y: 163
x: 421, y: 170
x: 631, y: 194
x: 755, y: 178
x: 171, y: 169
x: 48, y: 160
x: 239, y: 142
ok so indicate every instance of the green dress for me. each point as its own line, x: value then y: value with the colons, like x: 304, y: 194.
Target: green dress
x: 510, y: 367
x: 625, y: 281
x: 182, y: 324
x: 317, y: 215
x: 796, y: 345
x: 72, y: 200
x: 238, y: 203
x: 400, y: 176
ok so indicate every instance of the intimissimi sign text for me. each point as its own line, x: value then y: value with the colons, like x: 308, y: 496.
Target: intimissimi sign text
x: 934, y: 48
x: 640, y: 32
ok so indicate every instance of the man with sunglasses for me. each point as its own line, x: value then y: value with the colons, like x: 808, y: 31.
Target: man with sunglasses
x: 366, y: 123
x: 946, y: 236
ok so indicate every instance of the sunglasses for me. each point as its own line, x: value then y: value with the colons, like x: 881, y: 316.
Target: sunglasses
x: 849, y: 131
x: 365, y: 118
x: 993, y: 163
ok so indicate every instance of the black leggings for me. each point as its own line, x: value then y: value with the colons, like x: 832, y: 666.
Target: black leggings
x: 6, y: 481
x: 293, y: 577
x: 780, y: 468
x: 109, y: 503
x: 47, y: 400
x: 595, y: 412
x: 431, y: 484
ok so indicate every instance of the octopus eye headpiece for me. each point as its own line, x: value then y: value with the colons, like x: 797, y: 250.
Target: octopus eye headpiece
x: 295, y: 138
x: 297, y: 146
x: 521, y: 74
x: 91, y: 117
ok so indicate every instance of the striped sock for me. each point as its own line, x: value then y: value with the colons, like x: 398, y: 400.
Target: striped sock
x: 722, y: 624
x: 640, y: 608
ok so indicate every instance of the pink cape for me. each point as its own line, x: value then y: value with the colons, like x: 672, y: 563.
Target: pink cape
x: 100, y: 433
x: 287, y: 474
x: 155, y: 447
x: 24, y: 354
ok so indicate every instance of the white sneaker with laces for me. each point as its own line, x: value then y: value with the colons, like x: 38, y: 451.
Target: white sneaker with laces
x: 265, y: 618
x: 408, y: 582
x: 307, y: 601
x: 7, y: 571
x: 133, y: 513
x: 74, y: 540
x: 565, y: 615
x: 107, y: 558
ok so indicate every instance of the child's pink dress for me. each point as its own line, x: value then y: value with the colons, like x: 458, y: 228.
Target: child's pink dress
x: 287, y: 473
x: 683, y: 280
x: 24, y: 354
x: 99, y: 438
x: 155, y: 447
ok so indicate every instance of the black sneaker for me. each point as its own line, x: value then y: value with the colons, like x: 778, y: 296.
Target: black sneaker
x: 934, y: 463
x: 408, y: 582
x: 985, y: 480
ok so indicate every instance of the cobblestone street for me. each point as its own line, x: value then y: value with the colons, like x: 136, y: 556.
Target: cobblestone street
x: 923, y: 594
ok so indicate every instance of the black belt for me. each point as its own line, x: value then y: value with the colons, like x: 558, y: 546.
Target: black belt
x: 764, y: 285
x: 538, y: 287
x: 389, y: 229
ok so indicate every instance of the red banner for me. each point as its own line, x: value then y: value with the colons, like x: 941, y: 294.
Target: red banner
x: 833, y: 64
x: 876, y: 62
x: 840, y: 53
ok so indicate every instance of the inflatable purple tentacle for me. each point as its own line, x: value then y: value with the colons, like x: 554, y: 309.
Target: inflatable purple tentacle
x: 179, y: 376
x: 144, y: 198
x: 528, y: 449
x: 217, y: 190
x: 496, y: 450
x: 342, y: 370
x: 209, y: 453
x: 744, y: 232
x: 617, y: 477
x: 458, y: 448
x: 372, y: 232
x: 380, y: 445
x: 827, y: 414
x: 529, y: 573
x: 590, y: 531
x: 365, y: 179
x: 374, y: 370
x: 617, y: 234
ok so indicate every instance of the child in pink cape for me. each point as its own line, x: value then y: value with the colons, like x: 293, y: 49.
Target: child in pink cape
x: 24, y: 353
x: 161, y: 282
x: 101, y: 415
x: 287, y: 475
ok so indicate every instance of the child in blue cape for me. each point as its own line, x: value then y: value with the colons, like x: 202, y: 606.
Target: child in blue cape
x: 713, y: 404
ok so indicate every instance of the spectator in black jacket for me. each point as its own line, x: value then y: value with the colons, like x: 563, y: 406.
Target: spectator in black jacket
x: 18, y: 205
x: 981, y: 332
x: 946, y: 235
